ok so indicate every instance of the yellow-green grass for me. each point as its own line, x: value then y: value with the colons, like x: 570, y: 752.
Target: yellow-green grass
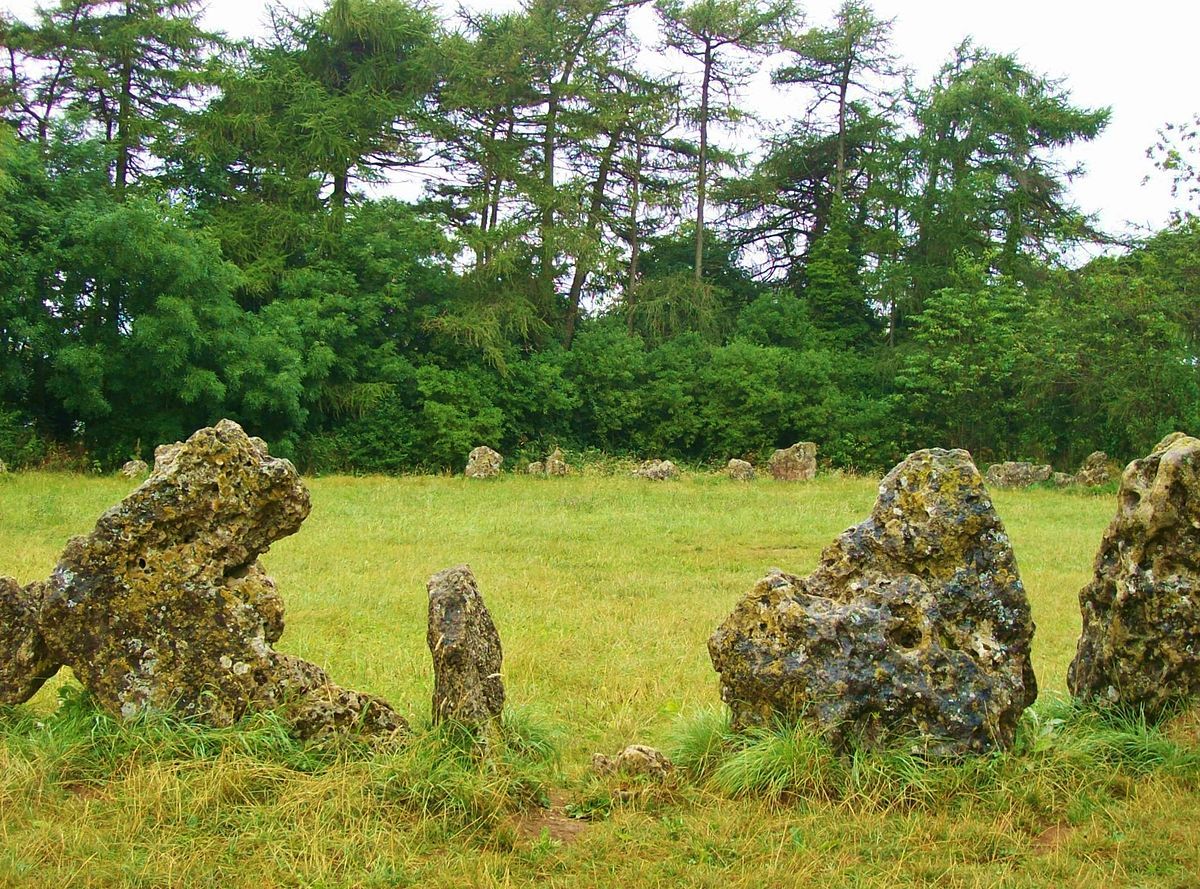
x: 605, y: 590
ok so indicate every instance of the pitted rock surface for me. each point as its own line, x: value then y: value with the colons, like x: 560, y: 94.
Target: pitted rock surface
x: 483, y: 462
x: 795, y: 464
x: 25, y: 660
x: 634, y: 760
x: 1097, y: 469
x: 1140, y: 644
x: 467, y: 685
x: 164, y: 605
x: 739, y: 471
x: 555, y: 464
x: 657, y: 470
x: 537, y: 467
x: 914, y: 624
x: 135, y: 469
x: 1016, y: 474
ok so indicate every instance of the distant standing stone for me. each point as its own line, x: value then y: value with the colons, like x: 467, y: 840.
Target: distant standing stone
x: 1140, y: 644
x: 740, y: 471
x: 135, y: 469
x: 555, y: 464
x: 914, y: 624
x: 794, y: 464
x: 467, y: 685
x: 657, y: 470
x: 1062, y: 479
x: 1097, y: 469
x: 483, y: 462
x: 1017, y: 474
x: 537, y: 467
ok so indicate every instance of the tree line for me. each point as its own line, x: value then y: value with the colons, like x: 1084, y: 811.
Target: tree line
x: 608, y: 251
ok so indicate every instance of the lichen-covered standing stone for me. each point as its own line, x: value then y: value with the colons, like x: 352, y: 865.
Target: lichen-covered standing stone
x: 1140, y: 644
x: 164, y: 605
x: 739, y: 471
x: 483, y: 462
x: 467, y: 685
x: 1097, y: 469
x: 555, y: 464
x: 914, y: 624
x: 537, y: 467
x: 1017, y: 474
x: 795, y: 464
x: 135, y: 469
x: 25, y: 660
x: 635, y: 760
x: 656, y: 470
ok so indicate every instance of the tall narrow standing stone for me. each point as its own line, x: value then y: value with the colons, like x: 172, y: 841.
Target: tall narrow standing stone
x: 467, y: 686
x: 1140, y: 644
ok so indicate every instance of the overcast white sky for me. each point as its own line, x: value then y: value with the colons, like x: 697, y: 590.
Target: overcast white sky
x: 1138, y: 58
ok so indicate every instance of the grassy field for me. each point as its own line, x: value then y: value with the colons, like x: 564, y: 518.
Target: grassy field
x: 604, y: 590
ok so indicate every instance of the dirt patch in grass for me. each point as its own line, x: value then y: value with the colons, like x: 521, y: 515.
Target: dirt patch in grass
x: 1050, y: 839
x: 552, y: 821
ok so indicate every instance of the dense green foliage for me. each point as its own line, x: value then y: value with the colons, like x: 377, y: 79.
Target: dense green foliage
x: 191, y: 229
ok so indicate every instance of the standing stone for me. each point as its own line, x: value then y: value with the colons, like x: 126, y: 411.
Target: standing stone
x: 1016, y: 474
x: 25, y: 660
x: 636, y: 760
x: 1140, y: 644
x: 135, y: 469
x: 467, y: 685
x: 1062, y: 479
x: 165, y: 607
x: 1097, y: 470
x: 915, y: 623
x: 555, y: 464
x: 657, y: 470
x: 537, y: 467
x: 483, y: 462
x: 795, y: 464
x: 739, y: 471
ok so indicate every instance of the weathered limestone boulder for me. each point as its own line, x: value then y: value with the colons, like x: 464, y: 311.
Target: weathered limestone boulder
x: 1097, y: 469
x: 467, y: 685
x: 794, y: 464
x: 135, y: 469
x: 555, y: 464
x: 1062, y: 479
x: 25, y: 660
x: 483, y: 462
x: 1016, y: 474
x: 165, y: 607
x: 657, y: 470
x: 636, y: 760
x: 1140, y: 644
x: 537, y: 467
x: 914, y: 624
x: 739, y: 471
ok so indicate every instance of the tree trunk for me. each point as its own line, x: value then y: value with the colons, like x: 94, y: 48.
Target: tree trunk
x: 124, y: 109
x: 583, y: 266
x: 843, y: 89
x: 702, y: 179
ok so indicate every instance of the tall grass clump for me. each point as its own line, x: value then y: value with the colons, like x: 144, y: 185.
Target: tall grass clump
x: 470, y: 778
x: 1064, y: 751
